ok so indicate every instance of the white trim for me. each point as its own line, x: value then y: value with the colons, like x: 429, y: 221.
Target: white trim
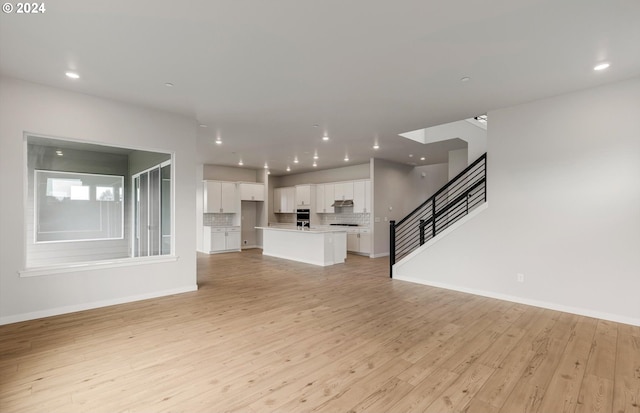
x: 382, y: 254
x: 443, y: 234
x: 97, y: 304
x: 521, y: 300
x: 95, y: 265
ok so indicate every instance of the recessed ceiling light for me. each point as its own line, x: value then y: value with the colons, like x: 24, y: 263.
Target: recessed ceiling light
x: 422, y: 158
x: 315, y: 156
x: 325, y: 138
x: 316, y: 126
x: 218, y: 141
x: 602, y: 66
x: 295, y: 160
x: 59, y: 152
x: 72, y: 75
x: 376, y: 146
x: 315, y: 164
x: 202, y: 125
x: 268, y: 172
x: 266, y: 166
x: 465, y: 79
x: 410, y: 155
x: 346, y: 158
x: 168, y: 84
x: 240, y: 162
x: 288, y: 168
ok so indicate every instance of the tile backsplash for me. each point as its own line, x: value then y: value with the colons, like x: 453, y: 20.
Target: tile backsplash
x: 346, y: 217
x: 343, y: 216
x: 218, y: 220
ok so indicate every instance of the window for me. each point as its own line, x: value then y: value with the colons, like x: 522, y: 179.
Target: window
x: 78, y: 206
x: 82, y: 204
x: 152, y: 211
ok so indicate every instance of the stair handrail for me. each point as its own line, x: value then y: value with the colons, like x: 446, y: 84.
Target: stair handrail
x: 405, y: 240
x: 445, y: 187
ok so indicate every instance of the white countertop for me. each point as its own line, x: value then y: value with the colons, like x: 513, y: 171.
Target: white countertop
x: 307, y: 231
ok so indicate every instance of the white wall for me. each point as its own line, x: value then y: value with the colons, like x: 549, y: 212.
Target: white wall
x: 230, y: 173
x: 564, y: 209
x: 471, y: 132
x: 57, y: 113
x: 457, y: 162
x: 397, y: 190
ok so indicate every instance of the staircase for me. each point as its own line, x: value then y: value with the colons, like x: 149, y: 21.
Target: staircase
x: 449, y: 204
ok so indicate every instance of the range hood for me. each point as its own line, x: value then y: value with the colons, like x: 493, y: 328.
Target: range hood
x: 341, y: 203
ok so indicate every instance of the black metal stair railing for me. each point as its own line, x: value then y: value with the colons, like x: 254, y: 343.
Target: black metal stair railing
x: 450, y: 203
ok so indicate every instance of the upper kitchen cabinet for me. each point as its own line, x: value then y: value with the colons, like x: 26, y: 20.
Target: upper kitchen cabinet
x: 362, y: 196
x: 251, y: 192
x: 303, y: 196
x: 284, y: 200
x: 325, y: 196
x: 220, y: 197
x: 343, y: 191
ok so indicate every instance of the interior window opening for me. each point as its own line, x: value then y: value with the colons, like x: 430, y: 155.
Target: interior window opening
x: 88, y: 203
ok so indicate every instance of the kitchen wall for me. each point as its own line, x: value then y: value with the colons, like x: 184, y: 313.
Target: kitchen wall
x: 346, y: 173
x: 563, y: 209
x: 230, y: 173
x: 55, y: 112
x: 249, y: 218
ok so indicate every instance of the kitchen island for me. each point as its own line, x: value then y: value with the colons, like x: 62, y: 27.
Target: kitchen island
x: 312, y: 246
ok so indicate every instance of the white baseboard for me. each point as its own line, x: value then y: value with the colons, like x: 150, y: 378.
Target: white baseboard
x: 521, y: 300
x: 89, y: 306
x: 383, y: 254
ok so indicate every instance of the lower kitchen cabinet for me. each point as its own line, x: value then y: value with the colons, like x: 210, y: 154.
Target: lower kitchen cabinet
x: 221, y: 239
x: 359, y: 242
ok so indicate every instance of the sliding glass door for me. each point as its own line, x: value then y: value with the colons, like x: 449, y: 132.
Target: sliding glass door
x: 152, y: 211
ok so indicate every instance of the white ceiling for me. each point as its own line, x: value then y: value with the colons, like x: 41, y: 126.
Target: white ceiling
x: 261, y: 73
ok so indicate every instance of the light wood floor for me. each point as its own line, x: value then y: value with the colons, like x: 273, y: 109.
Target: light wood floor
x: 264, y: 334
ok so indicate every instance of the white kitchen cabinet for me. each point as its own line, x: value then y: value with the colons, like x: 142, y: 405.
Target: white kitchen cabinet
x: 284, y: 200
x: 353, y: 245
x: 325, y: 198
x: 343, y: 190
x: 359, y: 241
x: 320, y: 198
x: 362, y: 196
x: 218, y: 241
x: 365, y: 243
x: 303, y: 196
x: 220, y: 197
x: 329, y: 199
x: 277, y: 200
x: 251, y: 192
x: 221, y: 239
x: 233, y: 239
